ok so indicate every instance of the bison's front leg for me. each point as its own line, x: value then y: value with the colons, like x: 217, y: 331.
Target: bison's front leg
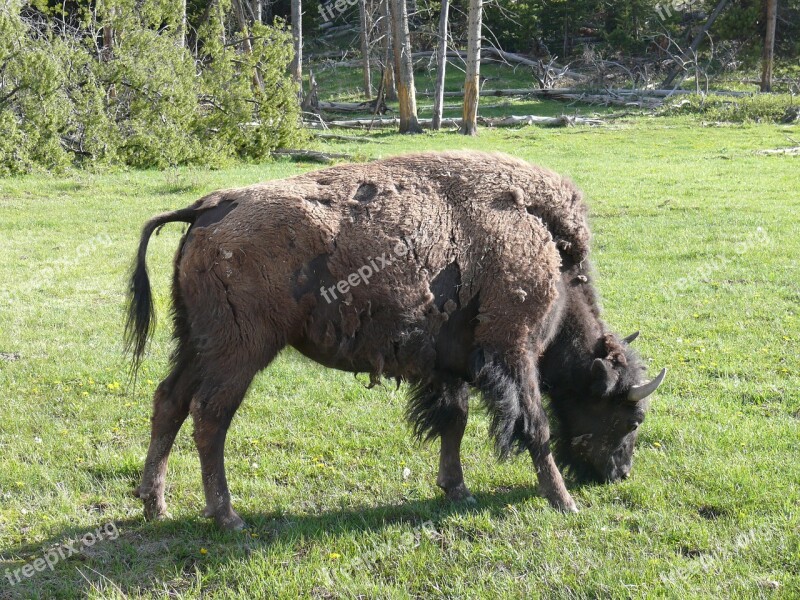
x: 451, y: 475
x: 511, y: 393
x: 551, y: 483
x: 438, y: 408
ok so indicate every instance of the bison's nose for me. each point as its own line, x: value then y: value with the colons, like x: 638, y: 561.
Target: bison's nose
x: 619, y: 472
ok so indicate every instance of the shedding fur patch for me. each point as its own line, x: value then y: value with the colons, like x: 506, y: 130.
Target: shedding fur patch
x: 616, y: 351
x: 366, y: 192
x: 511, y: 424
x: 433, y: 406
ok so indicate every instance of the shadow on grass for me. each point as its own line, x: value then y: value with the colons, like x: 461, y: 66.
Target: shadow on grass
x: 167, y: 555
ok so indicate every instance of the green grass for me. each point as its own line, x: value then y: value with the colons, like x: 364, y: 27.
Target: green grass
x: 315, y: 460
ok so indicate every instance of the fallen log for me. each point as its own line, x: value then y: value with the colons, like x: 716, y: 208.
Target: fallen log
x: 555, y: 92
x: 371, y: 106
x: 348, y: 138
x: 562, y: 121
x: 795, y: 151
x: 313, y: 155
x: 511, y: 121
x: 623, y: 100
x: 511, y: 57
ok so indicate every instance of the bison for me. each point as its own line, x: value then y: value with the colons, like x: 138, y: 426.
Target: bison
x: 449, y: 271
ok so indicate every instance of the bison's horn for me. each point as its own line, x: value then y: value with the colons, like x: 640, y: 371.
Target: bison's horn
x: 640, y: 392
x: 631, y: 337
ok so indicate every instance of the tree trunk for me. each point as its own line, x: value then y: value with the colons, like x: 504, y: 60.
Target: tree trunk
x: 389, y: 88
x: 769, y: 46
x: 107, y: 52
x: 404, y: 69
x: 438, y: 99
x: 310, y: 103
x: 297, y: 35
x: 221, y: 17
x: 469, y: 124
x: 181, y: 33
x: 241, y: 17
x: 108, y: 32
x: 256, y: 8
x: 364, y: 17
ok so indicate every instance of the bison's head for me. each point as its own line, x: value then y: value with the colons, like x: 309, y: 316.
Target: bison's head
x: 599, y: 411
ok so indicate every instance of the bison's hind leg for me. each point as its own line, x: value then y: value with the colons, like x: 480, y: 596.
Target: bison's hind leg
x: 439, y: 409
x: 170, y: 409
x: 212, y: 409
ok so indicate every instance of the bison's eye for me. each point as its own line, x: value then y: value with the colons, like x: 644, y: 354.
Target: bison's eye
x: 633, y: 424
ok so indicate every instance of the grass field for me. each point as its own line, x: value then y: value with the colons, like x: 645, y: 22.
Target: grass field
x: 697, y: 243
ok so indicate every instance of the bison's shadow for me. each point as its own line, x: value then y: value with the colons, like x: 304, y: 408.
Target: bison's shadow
x: 152, y: 556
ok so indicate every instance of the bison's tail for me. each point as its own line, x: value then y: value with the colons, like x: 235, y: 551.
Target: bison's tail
x: 141, y: 319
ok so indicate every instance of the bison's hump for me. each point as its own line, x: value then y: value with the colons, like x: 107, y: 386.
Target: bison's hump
x: 502, y: 181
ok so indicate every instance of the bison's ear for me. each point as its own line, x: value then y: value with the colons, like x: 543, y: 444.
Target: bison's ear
x: 604, y: 377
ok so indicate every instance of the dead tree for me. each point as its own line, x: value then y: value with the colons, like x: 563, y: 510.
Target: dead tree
x: 181, y: 33
x: 406, y: 93
x: 387, y: 77
x: 310, y: 103
x: 679, y: 63
x: 364, y: 18
x: 297, y: 35
x: 241, y: 17
x: 471, y: 82
x: 769, y: 46
x: 107, y: 52
x: 438, y: 99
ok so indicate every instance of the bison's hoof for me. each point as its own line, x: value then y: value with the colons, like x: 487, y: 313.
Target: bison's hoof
x: 565, y: 505
x: 155, y: 509
x: 460, y: 493
x: 154, y: 506
x: 231, y: 522
x: 226, y: 519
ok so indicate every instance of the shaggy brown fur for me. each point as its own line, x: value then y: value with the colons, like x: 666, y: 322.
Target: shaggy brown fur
x: 482, y: 212
x: 465, y: 250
